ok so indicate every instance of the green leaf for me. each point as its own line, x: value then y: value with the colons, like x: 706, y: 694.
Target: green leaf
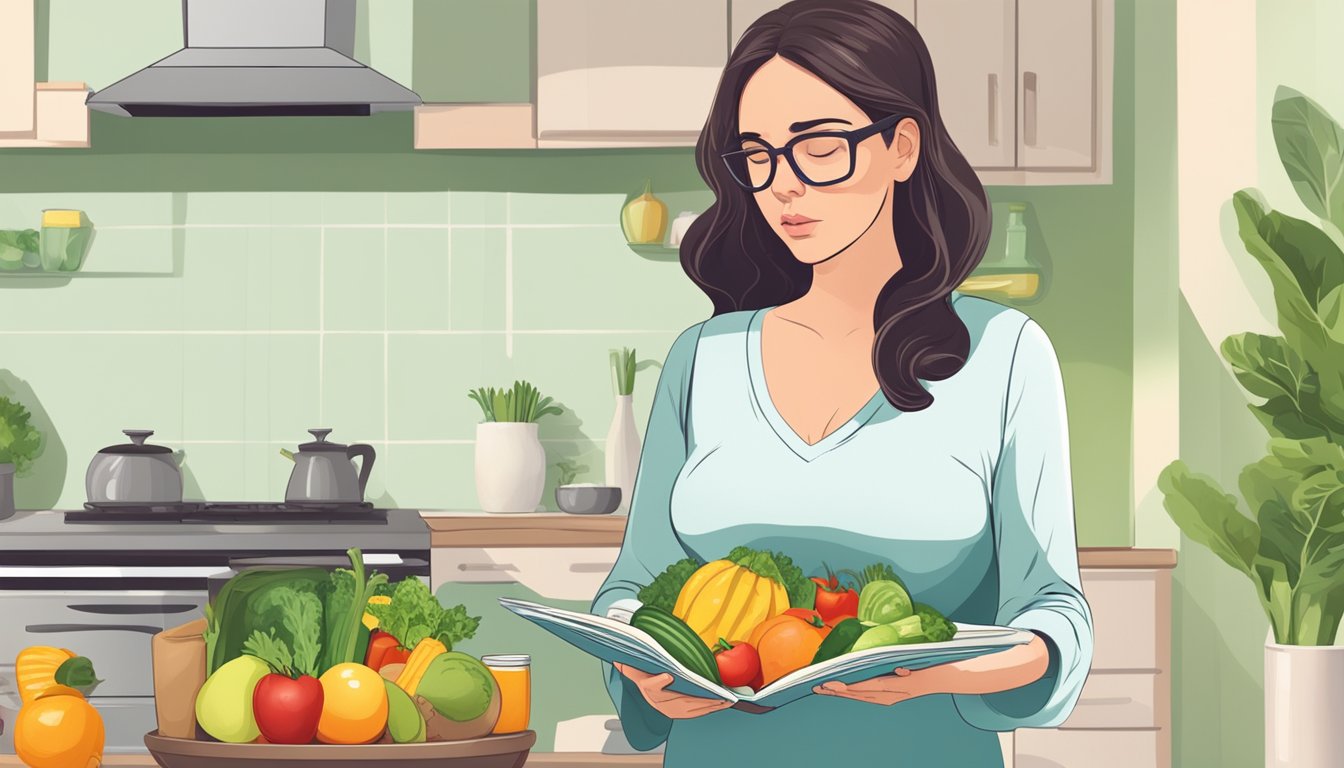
x: 271, y: 650
x: 1331, y: 312
x: 20, y: 441
x: 1265, y: 365
x: 1209, y: 516
x: 1309, y: 143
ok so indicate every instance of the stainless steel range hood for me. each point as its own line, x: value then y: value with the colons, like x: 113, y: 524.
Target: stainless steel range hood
x: 259, y: 57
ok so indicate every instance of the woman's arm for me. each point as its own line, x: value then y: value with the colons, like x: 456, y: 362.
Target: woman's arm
x: 1039, y: 587
x: 650, y: 544
x: 1034, y: 685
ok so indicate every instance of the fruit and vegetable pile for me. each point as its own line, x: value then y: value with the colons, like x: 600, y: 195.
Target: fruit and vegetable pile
x: 340, y: 657
x: 56, y: 726
x: 752, y: 617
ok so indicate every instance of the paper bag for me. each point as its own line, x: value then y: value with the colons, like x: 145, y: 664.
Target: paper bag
x: 179, y: 673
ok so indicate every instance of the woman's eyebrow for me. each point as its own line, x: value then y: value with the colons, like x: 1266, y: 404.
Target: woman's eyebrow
x: 804, y: 125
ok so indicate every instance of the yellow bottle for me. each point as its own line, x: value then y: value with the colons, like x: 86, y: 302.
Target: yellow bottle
x: 513, y: 674
x: 644, y: 219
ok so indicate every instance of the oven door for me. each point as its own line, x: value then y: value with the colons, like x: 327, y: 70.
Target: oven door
x: 111, y: 627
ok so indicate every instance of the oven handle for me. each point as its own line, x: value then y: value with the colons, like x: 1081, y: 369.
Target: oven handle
x: 128, y: 610
x: 56, y: 628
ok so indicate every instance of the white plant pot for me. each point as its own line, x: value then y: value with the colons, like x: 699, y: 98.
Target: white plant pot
x: 1304, y: 696
x: 510, y: 466
x: 6, y: 491
x: 622, y: 450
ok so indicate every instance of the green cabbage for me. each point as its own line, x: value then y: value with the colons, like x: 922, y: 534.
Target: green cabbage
x: 883, y: 602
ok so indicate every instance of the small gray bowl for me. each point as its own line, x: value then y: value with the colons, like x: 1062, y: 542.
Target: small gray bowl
x: 588, y: 499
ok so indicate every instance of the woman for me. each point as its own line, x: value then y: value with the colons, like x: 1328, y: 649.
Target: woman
x: 845, y: 404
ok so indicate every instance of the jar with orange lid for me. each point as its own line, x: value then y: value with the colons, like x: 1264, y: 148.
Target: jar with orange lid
x: 513, y: 674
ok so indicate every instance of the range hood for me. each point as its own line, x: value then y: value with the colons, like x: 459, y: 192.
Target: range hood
x: 259, y: 57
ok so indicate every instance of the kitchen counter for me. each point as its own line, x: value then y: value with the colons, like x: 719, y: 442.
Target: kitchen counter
x: 469, y: 528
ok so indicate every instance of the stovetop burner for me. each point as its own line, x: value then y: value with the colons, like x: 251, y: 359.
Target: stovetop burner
x: 262, y: 513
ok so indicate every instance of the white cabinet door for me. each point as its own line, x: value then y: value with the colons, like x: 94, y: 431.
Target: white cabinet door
x: 613, y: 70
x: 1056, y: 78
x: 742, y: 13
x: 972, y: 46
x: 16, y: 66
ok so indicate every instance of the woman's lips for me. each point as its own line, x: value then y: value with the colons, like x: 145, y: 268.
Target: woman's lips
x: 798, y: 226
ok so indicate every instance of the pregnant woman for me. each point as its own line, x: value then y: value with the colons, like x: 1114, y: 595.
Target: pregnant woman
x: 846, y: 405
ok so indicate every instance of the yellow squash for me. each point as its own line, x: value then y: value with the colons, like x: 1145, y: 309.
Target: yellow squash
x: 724, y: 599
x: 35, y: 669
x: 418, y: 664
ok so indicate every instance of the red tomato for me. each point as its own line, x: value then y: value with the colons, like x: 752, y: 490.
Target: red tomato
x: 834, y: 604
x: 739, y: 664
x: 287, y: 711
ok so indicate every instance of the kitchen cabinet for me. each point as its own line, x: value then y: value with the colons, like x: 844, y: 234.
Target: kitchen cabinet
x: 741, y: 13
x: 34, y: 114
x: 615, y: 73
x: 1024, y: 86
x: 974, y: 50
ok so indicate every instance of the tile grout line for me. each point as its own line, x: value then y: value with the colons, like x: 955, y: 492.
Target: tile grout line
x: 508, y: 275
x: 386, y: 398
x: 316, y: 332
x: 142, y: 227
x: 446, y: 441
x: 321, y: 324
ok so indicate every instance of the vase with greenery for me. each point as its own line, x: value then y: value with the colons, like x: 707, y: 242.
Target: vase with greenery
x: 1291, y: 544
x: 20, y: 445
x: 510, y: 460
x: 623, y: 444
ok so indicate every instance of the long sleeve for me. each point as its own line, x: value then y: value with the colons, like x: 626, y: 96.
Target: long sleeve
x: 1035, y: 541
x: 650, y: 544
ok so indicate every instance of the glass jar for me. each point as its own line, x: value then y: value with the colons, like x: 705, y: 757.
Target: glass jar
x: 1015, y: 247
x: 513, y: 674
x: 65, y: 240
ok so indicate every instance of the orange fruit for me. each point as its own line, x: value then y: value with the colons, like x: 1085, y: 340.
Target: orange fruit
x: 59, y: 729
x: 354, y: 705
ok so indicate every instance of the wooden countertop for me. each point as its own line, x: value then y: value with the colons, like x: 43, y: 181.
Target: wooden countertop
x: 558, y: 529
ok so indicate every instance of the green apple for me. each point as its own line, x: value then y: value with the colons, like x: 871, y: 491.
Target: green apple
x: 224, y: 705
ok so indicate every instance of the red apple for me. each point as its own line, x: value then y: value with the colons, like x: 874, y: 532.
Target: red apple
x: 287, y: 710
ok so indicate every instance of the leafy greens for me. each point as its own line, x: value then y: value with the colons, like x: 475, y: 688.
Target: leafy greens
x: 415, y: 613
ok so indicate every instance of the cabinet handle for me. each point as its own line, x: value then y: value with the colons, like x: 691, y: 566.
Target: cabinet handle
x: 44, y: 629
x: 129, y: 610
x: 590, y: 567
x: 1029, y: 118
x: 486, y: 567
x: 993, y: 109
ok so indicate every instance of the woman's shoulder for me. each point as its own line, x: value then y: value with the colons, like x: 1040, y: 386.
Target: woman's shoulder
x: 1002, y: 337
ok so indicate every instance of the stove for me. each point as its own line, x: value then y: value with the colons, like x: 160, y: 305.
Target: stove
x: 264, y: 513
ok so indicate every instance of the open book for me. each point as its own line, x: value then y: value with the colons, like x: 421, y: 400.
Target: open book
x: 612, y: 639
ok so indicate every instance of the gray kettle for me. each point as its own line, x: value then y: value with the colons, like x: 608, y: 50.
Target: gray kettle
x: 325, y: 472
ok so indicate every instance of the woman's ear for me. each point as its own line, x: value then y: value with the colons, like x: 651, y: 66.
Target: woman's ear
x: 905, y: 150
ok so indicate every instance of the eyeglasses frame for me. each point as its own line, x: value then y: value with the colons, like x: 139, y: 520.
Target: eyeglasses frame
x: 852, y: 136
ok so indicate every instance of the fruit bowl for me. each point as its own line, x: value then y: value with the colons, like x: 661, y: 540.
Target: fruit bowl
x: 507, y: 750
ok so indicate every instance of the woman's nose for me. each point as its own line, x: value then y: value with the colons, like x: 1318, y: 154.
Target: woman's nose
x: 786, y: 183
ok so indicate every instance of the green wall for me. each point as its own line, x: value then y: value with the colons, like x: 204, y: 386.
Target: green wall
x: 245, y: 214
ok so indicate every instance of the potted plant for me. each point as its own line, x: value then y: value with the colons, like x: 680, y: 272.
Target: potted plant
x: 623, y: 443
x: 20, y: 444
x: 1291, y: 545
x: 510, y: 461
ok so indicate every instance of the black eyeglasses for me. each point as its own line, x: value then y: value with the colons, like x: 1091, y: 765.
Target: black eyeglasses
x: 827, y: 157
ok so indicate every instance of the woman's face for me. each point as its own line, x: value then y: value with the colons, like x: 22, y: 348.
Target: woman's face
x: 783, y: 100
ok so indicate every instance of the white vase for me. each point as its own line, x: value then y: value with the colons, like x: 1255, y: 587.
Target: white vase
x: 6, y: 491
x: 1304, y: 695
x: 510, y: 466
x: 622, y: 452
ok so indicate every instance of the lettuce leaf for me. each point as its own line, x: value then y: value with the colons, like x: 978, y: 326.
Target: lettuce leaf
x: 415, y: 613
x: 778, y: 566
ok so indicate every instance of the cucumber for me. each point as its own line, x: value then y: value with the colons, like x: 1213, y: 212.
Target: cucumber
x: 678, y: 639
x: 839, y: 640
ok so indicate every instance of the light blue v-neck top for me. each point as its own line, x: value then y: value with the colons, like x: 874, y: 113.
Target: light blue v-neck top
x: 969, y: 500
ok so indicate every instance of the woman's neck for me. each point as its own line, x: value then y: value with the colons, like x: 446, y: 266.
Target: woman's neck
x: 844, y: 287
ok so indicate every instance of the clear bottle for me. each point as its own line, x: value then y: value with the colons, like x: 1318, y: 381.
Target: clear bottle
x: 1015, y: 247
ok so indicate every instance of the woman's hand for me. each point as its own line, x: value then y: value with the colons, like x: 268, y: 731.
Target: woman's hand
x: 677, y: 706
x: 990, y: 673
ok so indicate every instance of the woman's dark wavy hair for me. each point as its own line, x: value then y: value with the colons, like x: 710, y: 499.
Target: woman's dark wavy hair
x: 873, y: 56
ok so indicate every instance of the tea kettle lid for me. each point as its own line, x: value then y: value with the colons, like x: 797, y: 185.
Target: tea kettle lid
x: 321, y: 444
x: 137, y: 446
